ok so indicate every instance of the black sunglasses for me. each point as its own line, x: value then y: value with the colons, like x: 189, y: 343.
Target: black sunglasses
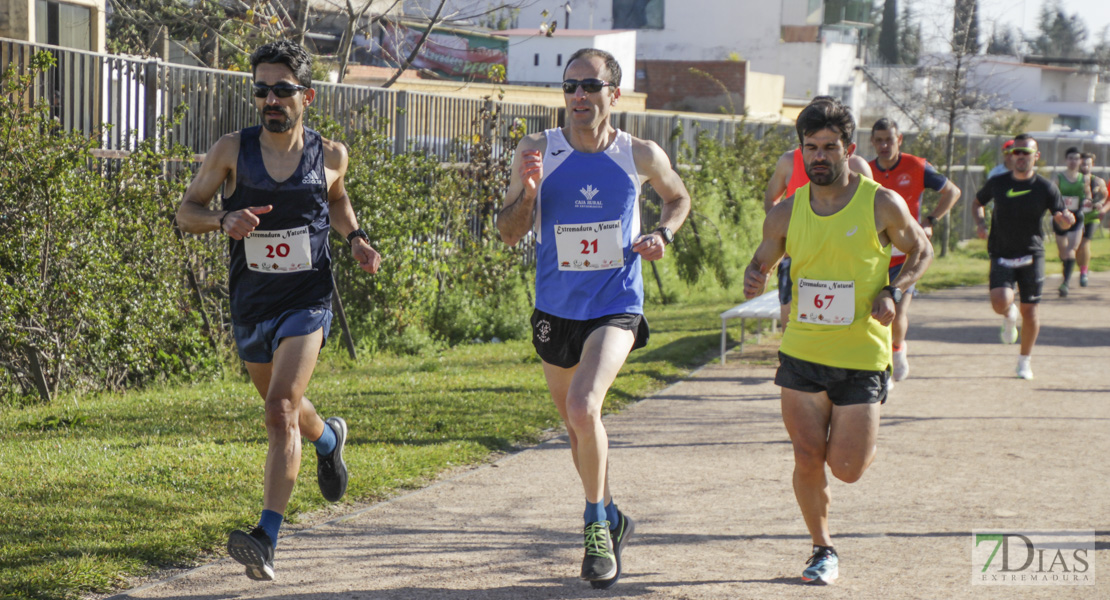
x: 281, y: 90
x: 588, y: 85
x: 1023, y: 151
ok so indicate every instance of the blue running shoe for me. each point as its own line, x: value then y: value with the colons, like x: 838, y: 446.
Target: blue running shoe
x: 823, y: 566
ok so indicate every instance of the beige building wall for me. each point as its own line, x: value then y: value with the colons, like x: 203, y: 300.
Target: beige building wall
x: 524, y: 94
x: 763, y: 94
x: 17, y: 21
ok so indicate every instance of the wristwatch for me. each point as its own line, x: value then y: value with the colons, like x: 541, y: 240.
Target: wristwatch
x: 668, y: 235
x: 357, y: 233
x: 931, y: 220
x: 895, y: 293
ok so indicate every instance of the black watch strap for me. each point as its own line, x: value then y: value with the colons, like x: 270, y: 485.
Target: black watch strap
x: 668, y: 235
x: 895, y: 293
x: 357, y: 233
x: 931, y: 220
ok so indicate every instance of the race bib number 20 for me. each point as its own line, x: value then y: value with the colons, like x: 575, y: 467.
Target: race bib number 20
x: 590, y: 246
x: 279, y: 251
x: 826, y: 302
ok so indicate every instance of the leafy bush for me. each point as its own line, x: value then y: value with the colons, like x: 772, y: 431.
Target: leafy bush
x: 92, y: 293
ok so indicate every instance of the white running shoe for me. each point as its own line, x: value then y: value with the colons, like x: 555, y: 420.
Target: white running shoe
x: 1009, y: 331
x: 901, y: 365
x: 1024, y: 371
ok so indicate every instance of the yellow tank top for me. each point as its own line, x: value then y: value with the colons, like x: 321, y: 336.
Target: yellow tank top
x: 838, y: 266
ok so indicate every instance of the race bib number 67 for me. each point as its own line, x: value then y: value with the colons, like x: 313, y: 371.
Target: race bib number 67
x: 279, y: 251
x: 589, y: 246
x: 826, y: 302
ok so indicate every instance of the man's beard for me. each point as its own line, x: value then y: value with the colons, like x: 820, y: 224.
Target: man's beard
x: 274, y: 125
x: 832, y: 174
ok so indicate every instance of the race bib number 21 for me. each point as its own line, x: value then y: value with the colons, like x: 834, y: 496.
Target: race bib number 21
x: 826, y: 302
x: 590, y: 246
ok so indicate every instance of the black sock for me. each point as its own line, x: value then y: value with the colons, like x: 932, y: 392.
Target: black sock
x: 1069, y: 266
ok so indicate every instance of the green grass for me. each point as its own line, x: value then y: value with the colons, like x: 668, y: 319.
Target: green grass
x: 96, y: 489
x: 99, y: 488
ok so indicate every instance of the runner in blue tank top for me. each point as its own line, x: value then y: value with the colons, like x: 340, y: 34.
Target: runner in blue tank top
x: 577, y: 189
x: 283, y: 191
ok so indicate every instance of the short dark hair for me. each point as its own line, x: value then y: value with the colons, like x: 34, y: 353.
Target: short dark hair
x: 824, y: 99
x: 1072, y: 150
x: 1086, y: 155
x: 1021, y: 137
x: 826, y: 115
x: 288, y: 53
x: 884, y: 124
x: 611, y: 64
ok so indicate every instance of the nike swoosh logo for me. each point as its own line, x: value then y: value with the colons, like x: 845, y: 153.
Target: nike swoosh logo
x: 1013, y: 194
x: 852, y: 231
x: 558, y: 152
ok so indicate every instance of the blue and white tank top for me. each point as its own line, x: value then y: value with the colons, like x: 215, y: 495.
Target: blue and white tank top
x: 285, y: 264
x: 587, y: 214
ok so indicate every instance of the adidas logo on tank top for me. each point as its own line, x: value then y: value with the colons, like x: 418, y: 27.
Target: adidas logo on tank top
x: 312, y: 179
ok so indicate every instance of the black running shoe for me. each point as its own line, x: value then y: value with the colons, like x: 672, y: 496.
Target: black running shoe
x: 619, y: 535
x: 600, y: 563
x: 331, y: 471
x: 254, y: 550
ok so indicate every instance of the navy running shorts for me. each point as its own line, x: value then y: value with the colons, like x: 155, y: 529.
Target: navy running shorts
x: 258, y: 342
x: 1029, y: 278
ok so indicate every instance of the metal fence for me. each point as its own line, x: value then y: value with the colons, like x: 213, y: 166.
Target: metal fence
x: 132, y: 97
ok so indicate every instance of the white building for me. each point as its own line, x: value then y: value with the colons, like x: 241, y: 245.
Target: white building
x: 815, y: 50
x: 1075, y: 95
x: 537, y: 59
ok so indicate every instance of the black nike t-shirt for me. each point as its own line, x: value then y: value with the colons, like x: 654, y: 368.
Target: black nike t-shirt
x: 1018, y: 207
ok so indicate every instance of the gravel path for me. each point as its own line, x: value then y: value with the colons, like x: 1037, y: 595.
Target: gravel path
x: 704, y: 468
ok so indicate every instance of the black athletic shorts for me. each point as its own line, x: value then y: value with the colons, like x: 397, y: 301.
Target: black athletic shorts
x: 785, y: 285
x: 559, y: 341
x: 1029, y: 278
x: 844, y: 386
x: 1089, y: 230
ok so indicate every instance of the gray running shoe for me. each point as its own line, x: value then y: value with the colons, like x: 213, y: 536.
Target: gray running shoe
x: 255, y: 551
x: 331, y: 471
x: 620, y: 534
x: 823, y: 567
x: 1083, y: 280
x: 600, y: 563
x: 1064, y: 290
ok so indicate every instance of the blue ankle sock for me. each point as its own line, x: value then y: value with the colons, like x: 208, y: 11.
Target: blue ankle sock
x: 270, y: 522
x: 326, y: 444
x: 612, y: 514
x: 595, y: 512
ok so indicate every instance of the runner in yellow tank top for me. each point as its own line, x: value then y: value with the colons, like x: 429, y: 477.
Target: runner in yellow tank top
x: 835, y: 354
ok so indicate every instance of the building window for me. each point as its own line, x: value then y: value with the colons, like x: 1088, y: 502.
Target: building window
x: 638, y: 14
x: 61, y: 24
x: 558, y: 60
x: 842, y: 93
x: 536, y: 60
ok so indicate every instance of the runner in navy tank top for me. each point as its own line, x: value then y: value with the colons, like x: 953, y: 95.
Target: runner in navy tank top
x: 283, y: 191
x: 577, y: 189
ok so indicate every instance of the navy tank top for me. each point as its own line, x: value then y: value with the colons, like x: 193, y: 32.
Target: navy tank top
x: 286, y: 263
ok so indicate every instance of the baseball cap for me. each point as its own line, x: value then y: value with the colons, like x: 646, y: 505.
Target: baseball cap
x: 1006, y: 147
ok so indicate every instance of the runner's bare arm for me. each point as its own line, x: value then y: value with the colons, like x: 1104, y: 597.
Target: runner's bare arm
x: 949, y: 195
x: 653, y: 164
x: 776, y: 187
x: 897, y: 225
x: 857, y: 164
x: 218, y: 169
x: 343, y: 219
x: 770, y: 250
x: 525, y: 173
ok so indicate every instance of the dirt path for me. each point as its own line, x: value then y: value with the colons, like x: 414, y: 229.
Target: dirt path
x: 704, y: 468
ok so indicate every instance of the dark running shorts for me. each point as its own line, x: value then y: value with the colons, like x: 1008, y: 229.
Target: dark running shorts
x: 1029, y: 278
x: 559, y: 341
x: 1075, y: 227
x: 785, y: 285
x: 893, y: 272
x: 844, y: 386
x: 1089, y: 230
x: 258, y: 342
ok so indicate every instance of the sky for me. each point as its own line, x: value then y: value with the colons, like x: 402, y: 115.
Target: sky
x: 1021, y: 14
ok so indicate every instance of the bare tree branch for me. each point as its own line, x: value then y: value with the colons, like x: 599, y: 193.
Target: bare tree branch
x: 419, y: 44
